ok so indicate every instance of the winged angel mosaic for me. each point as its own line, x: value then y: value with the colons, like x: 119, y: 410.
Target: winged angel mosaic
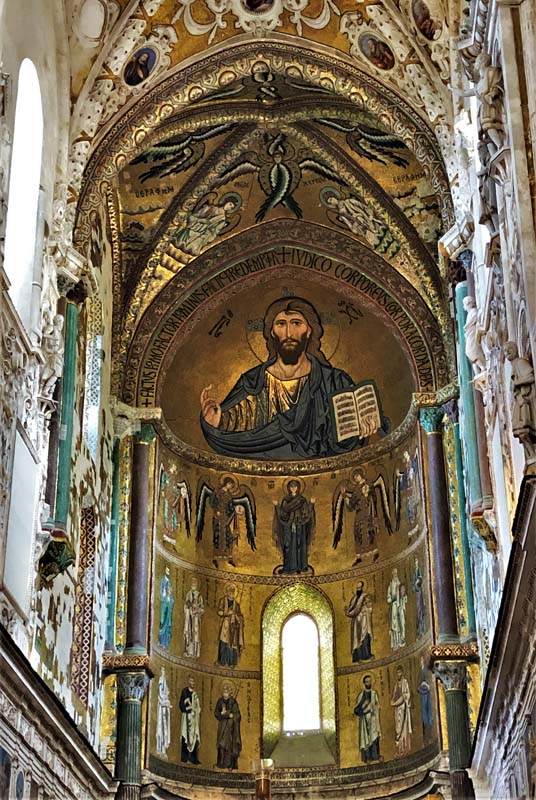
x: 233, y: 515
x: 253, y: 16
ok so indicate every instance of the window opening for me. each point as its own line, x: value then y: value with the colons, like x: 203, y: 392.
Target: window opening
x: 23, y: 198
x: 301, y: 674
x: 93, y: 375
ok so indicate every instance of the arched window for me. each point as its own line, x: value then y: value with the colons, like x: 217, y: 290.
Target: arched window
x: 23, y: 198
x: 301, y: 674
x: 298, y: 678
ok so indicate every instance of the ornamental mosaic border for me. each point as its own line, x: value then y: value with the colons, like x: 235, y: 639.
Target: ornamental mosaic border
x: 342, y: 288
x: 468, y: 651
x: 125, y: 477
x: 112, y: 662
x: 293, y: 778
x: 82, y: 650
x: 228, y: 256
x: 449, y: 443
x: 398, y: 655
x: 208, y: 669
x: 257, y: 675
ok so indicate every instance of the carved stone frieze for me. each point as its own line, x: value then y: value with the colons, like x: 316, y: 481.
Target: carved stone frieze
x: 112, y: 662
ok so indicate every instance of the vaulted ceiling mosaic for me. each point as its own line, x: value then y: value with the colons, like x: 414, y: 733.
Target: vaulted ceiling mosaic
x: 198, y: 121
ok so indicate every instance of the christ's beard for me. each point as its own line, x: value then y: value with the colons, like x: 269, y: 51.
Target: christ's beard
x: 290, y: 350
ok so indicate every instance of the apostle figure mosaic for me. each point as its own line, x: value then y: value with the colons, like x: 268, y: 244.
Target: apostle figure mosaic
x: 401, y: 702
x: 231, y: 632
x: 190, y: 707
x: 367, y: 710
x: 194, y: 608
x: 229, y: 740
x: 163, y: 716
x: 360, y: 612
x: 167, y: 602
x: 397, y: 601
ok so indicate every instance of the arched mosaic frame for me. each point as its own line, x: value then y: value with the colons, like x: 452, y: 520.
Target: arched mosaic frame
x: 299, y: 597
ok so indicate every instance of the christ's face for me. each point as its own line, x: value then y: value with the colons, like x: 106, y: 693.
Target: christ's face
x: 291, y: 333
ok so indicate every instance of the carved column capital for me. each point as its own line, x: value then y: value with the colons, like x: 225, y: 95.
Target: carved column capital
x: 452, y: 674
x: 132, y: 686
x: 431, y: 419
x: 133, y: 421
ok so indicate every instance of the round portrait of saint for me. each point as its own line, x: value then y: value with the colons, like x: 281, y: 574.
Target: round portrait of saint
x: 139, y: 66
x: 376, y: 51
x: 425, y: 20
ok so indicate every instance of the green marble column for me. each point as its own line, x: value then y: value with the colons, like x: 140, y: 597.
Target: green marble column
x: 131, y: 688
x: 468, y: 423
x: 452, y: 675
x: 444, y: 596
x: 59, y: 554
x: 63, y: 489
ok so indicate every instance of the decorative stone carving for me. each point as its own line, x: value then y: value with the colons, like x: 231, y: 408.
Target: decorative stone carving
x: 128, y: 419
x: 473, y: 336
x: 132, y: 685
x: 257, y: 17
x: 524, y: 400
x: 452, y: 674
x: 431, y: 419
x: 57, y: 558
x: 52, y: 345
x: 490, y: 92
x: 410, y: 72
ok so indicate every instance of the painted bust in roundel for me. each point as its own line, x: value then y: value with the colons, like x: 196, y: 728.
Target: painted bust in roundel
x: 283, y: 409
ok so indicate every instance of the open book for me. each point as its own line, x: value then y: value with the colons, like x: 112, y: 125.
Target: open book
x: 357, y: 411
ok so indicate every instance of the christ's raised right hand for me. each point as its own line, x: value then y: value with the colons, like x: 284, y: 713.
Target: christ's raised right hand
x: 210, y: 408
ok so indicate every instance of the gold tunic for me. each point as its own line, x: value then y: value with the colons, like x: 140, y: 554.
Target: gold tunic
x: 277, y: 397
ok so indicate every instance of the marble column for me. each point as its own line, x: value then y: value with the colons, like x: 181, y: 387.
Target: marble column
x: 452, y: 675
x: 138, y: 554
x: 465, y: 374
x: 131, y: 688
x: 63, y: 488
x: 133, y: 680
x: 445, y: 601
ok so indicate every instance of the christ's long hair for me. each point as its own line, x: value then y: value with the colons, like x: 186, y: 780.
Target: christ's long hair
x: 309, y: 312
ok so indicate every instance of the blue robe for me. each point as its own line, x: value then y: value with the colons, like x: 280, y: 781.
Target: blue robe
x: 307, y: 430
